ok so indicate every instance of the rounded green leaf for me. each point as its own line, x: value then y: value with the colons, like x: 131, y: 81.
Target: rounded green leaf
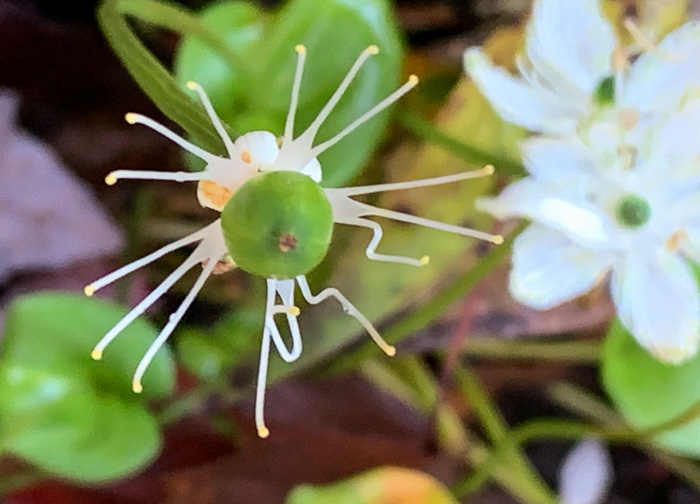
x: 648, y: 392
x: 240, y: 25
x: 66, y: 413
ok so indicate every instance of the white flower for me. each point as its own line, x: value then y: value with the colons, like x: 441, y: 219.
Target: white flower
x: 249, y: 156
x: 636, y: 216
x: 573, y: 73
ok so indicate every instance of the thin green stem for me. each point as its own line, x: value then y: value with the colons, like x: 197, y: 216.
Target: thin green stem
x: 584, y: 352
x: 426, y: 131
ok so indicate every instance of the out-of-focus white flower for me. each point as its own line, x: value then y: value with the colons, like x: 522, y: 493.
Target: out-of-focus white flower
x: 586, y: 474
x: 574, y: 74
x: 636, y: 215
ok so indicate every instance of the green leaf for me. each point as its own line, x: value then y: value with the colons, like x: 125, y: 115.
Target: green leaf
x: 150, y: 75
x: 66, y: 413
x: 334, y: 32
x: 648, y: 392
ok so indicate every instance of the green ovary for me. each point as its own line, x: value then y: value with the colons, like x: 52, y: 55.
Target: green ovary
x: 633, y: 211
x: 604, y: 94
x: 278, y: 225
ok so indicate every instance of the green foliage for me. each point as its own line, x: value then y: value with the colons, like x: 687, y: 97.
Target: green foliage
x: 66, y: 413
x: 648, y: 392
x: 254, y: 92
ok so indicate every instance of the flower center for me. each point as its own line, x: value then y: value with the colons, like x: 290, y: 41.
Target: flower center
x: 278, y: 225
x: 633, y: 211
x: 604, y: 94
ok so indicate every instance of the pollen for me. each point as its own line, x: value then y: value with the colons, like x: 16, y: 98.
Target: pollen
x: 213, y: 195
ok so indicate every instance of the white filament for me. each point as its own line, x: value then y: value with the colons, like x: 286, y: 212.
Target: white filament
x: 132, y: 118
x: 348, y: 307
x: 172, y: 323
x: 286, y: 290
x: 155, y: 175
x: 379, y: 107
x: 215, y: 120
x: 308, y: 136
x: 296, y: 86
x: 125, y: 270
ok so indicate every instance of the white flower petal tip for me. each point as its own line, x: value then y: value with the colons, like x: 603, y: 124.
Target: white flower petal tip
x: 674, y: 355
x: 473, y: 59
x: 586, y: 474
x: 96, y: 354
x: 263, y: 432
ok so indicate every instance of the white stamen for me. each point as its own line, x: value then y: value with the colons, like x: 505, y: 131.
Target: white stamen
x: 172, y: 323
x: 189, y: 263
x: 349, y: 309
x: 412, y: 184
x: 263, y: 431
x: 286, y: 354
x: 125, y: 270
x: 308, y: 136
x: 376, y: 238
x: 396, y: 95
x: 132, y: 118
x: 112, y: 178
x: 215, y: 120
x: 296, y: 86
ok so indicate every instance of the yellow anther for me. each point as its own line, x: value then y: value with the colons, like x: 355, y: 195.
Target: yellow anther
x: 373, y: 49
x: 110, y: 179
x: 489, y: 169
x: 96, y: 354
x: 424, y: 260
x: 245, y: 157
x: 130, y: 118
x: 192, y: 85
x: 413, y: 79
x: 390, y: 350
x: 89, y: 290
x: 137, y: 387
x: 300, y: 48
x: 263, y: 432
x: 497, y: 239
x: 294, y: 310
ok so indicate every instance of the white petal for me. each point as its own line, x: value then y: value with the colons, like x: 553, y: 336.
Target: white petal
x: 517, y: 101
x: 586, y: 474
x: 257, y: 148
x: 547, y: 204
x: 549, y: 269
x: 661, y: 77
x: 571, y: 39
x: 675, y: 141
x: 657, y: 300
x: 553, y: 160
x: 313, y: 170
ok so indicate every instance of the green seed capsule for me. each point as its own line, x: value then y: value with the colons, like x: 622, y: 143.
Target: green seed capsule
x: 278, y: 225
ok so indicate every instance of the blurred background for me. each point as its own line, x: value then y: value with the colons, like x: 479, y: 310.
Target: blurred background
x: 434, y: 424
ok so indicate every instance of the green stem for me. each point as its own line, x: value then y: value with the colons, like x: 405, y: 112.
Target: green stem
x: 494, y: 348
x: 473, y: 155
